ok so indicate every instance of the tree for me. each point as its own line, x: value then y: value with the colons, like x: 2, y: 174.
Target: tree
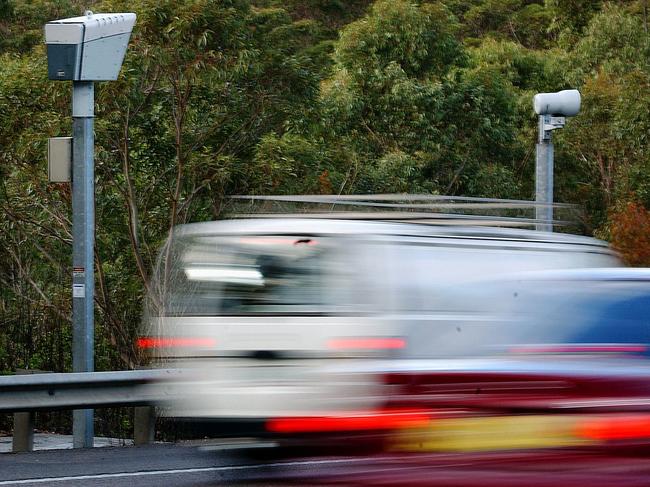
x: 615, y: 41
x: 629, y: 229
x: 403, y: 109
x: 570, y: 17
x: 603, y: 151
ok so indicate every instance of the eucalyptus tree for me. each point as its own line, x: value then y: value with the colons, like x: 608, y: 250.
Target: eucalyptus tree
x: 404, y: 110
x: 606, y: 148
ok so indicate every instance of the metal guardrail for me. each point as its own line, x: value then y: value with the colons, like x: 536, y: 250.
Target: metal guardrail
x: 83, y: 390
x: 23, y: 395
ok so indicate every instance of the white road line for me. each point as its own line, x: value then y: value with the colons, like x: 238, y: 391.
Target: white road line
x: 45, y: 480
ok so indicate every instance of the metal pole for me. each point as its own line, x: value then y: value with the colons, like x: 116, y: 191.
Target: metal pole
x: 544, y: 176
x: 83, y: 245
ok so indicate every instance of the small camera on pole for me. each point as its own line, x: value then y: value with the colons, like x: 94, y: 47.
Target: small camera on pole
x: 552, y: 108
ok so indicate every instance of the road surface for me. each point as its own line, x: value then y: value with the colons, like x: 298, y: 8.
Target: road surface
x: 192, y: 466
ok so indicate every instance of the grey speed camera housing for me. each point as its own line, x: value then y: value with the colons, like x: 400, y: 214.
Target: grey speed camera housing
x: 564, y: 103
x: 88, y: 48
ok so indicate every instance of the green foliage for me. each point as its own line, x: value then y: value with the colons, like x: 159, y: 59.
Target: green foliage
x: 399, y: 35
x: 291, y: 164
x: 528, y: 71
x: 397, y: 172
x: 531, y: 25
x: 615, y: 41
x: 21, y: 21
x: 401, y: 112
x: 331, y: 14
x: 494, y: 181
x: 570, y: 17
x: 519, y: 20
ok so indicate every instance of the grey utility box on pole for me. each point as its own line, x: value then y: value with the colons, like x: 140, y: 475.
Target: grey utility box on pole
x: 84, y: 50
x: 552, y: 108
x: 59, y: 159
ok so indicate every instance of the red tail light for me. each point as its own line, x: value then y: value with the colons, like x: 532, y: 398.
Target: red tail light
x: 366, y: 343
x: 174, y: 342
x: 624, y: 427
x: 377, y: 421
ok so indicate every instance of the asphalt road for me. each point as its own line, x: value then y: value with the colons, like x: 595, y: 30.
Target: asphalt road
x: 185, y: 466
x: 156, y: 465
x: 153, y: 465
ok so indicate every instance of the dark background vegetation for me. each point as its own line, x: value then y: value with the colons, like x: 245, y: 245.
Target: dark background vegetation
x: 304, y: 96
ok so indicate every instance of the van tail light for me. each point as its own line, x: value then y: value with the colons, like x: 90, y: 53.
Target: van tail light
x: 366, y: 343
x: 369, y: 421
x: 149, y: 343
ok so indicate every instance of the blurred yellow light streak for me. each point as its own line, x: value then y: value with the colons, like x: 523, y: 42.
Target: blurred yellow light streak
x: 491, y: 433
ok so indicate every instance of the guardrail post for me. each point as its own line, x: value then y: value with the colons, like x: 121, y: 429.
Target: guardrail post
x: 23, y: 440
x: 23, y: 435
x: 144, y: 422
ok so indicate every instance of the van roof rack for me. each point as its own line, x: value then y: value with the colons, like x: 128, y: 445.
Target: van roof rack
x: 412, y: 208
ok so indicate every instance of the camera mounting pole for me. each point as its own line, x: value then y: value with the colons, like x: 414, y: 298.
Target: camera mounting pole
x: 552, y: 108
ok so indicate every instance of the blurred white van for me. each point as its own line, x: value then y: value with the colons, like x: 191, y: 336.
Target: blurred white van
x: 271, y: 315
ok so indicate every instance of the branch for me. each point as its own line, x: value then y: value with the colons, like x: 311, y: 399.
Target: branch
x: 50, y: 231
x: 132, y: 208
x: 107, y: 308
x: 457, y: 174
x: 35, y: 286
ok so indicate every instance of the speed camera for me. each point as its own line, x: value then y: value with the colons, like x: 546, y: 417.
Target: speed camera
x: 564, y: 103
x: 88, y: 48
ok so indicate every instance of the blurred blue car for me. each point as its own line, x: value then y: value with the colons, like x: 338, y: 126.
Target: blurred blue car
x: 569, y: 312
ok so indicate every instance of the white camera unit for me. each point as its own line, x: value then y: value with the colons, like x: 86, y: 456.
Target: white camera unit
x: 88, y: 48
x: 565, y: 103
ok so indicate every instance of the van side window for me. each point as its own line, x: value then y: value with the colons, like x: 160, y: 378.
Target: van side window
x: 251, y: 275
